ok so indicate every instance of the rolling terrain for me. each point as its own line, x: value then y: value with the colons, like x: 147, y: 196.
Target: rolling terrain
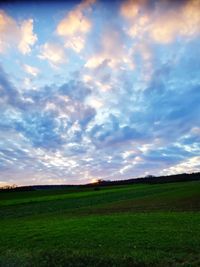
x: 119, y: 225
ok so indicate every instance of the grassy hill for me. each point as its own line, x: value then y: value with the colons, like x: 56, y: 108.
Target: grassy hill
x: 120, y: 225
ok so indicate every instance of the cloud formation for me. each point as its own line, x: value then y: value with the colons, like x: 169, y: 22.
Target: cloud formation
x: 109, y: 92
x: 13, y: 33
x: 164, y: 22
x: 31, y: 70
x: 53, y: 53
x: 73, y: 28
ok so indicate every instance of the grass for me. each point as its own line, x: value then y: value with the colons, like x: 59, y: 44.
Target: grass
x: 132, y: 225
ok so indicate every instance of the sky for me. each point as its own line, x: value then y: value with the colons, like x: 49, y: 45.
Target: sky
x: 98, y: 90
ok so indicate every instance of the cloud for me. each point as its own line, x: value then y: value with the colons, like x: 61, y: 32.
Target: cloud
x: 75, y: 26
x: 12, y: 97
x: 48, y: 118
x: 131, y: 8
x: 40, y: 129
x: 33, y: 71
x: 112, y: 51
x: 74, y: 23
x: 182, y: 21
x: 188, y: 165
x: 16, y: 34
x: 164, y: 22
x: 75, y: 89
x: 126, y: 106
x: 8, y: 31
x: 8, y: 93
x: 166, y: 106
x: 28, y: 38
x: 95, y: 102
x: 112, y: 57
x: 112, y: 133
x: 53, y: 53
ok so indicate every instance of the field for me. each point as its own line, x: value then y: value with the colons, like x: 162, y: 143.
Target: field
x: 132, y: 225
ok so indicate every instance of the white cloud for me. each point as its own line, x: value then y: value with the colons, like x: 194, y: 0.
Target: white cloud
x: 112, y: 51
x: 31, y: 70
x: 28, y: 38
x: 190, y: 165
x: 94, y: 102
x: 54, y: 53
x: 14, y: 34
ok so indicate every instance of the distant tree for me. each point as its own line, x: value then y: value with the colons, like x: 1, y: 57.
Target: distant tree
x: 8, y: 187
x: 149, y: 176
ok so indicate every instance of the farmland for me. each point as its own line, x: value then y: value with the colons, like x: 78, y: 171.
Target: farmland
x: 124, y: 225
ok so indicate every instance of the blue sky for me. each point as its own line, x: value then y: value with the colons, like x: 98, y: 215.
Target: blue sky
x: 90, y: 90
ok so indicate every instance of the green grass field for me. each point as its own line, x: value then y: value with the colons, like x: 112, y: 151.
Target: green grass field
x: 132, y: 225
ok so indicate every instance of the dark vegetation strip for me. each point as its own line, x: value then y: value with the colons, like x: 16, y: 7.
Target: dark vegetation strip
x: 150, y: 179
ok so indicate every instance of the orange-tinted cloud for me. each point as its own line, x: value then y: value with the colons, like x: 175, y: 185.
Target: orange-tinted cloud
x: 184, y: 21
x: 131, y: 8
x: 164, y: 23
x: 13, y: 34
x: 74, y: 27
x: 112, y: 51
x: 74, y: 23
